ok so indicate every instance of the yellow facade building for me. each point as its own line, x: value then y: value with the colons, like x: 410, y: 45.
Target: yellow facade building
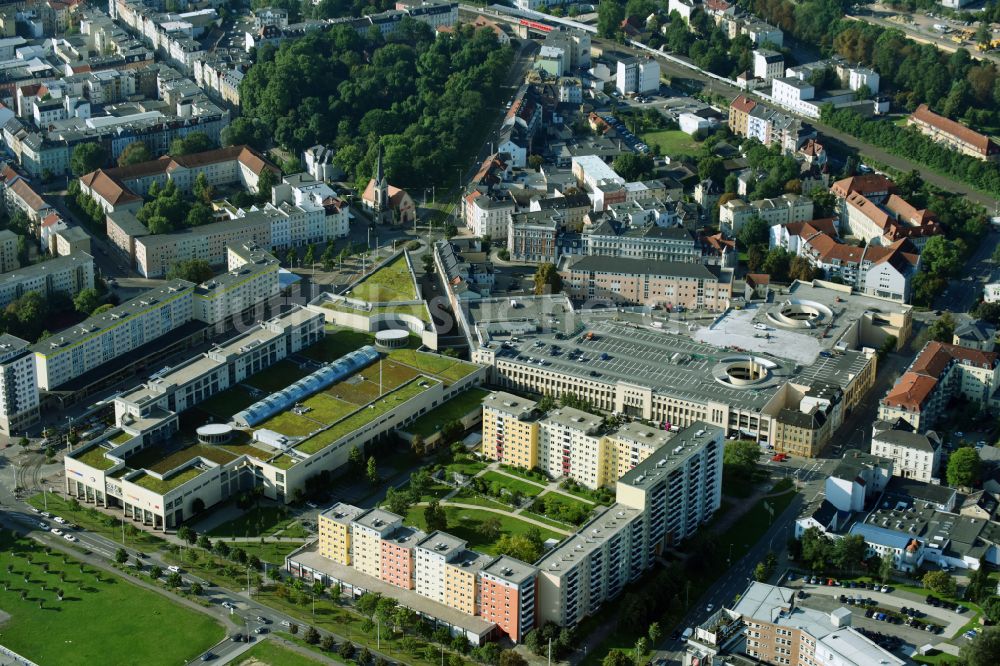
x: 510, y: 430
x: 335, y: 532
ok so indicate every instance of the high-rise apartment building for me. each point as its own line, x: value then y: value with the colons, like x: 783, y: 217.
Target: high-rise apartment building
x: 334, y: 527
x: 18, y: 386
x: 507, y: 596
x: 367, y: 532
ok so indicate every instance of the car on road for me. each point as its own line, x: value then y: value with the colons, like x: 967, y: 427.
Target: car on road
x: 208, y: 656
x: 237, y: 638
x: 69, y: 537
x: 779, y: 457
x: 174, y: 569
x: 43, y: 526
x: 49, y: 515
x: 263, y: 620
x: 260, y: 630
x: 34, y: 510
x: 885, y: 589
x: 709, y: 608
x: 61, y: 521
x: 57, y: 531
x: 286, y: 623
x: 228, y: 604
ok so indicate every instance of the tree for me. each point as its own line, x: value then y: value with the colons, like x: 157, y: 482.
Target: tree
x: 356, y: 459
x: 885, y: 566
x: 204, y: 542
x: 963, y: 467
x: 816, y: 549
x: 290, y: 257
x: 203, y: 190
x: 87, y: 157
x: 641, y: 647
x: 310, y: 257
x: 134, y: 153
x: 121, y: 556
x: 192, y: 270
x: 655, y: 634
x: 519, y: 546
x: 417, y: 444
x: 312, y: 636
x: 535, y: 161
x: 265, y: 183
x: 941, y: 257
x: 615, y: 657
x: 754, y: 231
x: 435, y: 517
x: 197, y: 589
x: 742, y: 454
x: 984, y: 650
x: 942, y: 329
x: 849, y: 552
x: 939, y: 582
x: 490, y: 528
x: 547, y: 279
x: 195, y: 142
x: 185, y: 533
x: 511, y: 658
x: 761, y: 573
x: 398, y: 502
x: 155, y: 572
x: 991, y: 608
x: 174, y: 579
x: 346, y: 650
x: 371, y: 471
x: 428, y: 262
x: 327, y: 643
x: 713, y: 168
x: 87, y: 300
x: 633, y: 166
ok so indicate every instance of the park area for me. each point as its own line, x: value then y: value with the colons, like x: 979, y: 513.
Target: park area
x: 101, y: 618
x: 468, y: 524
x: 672, y: 142
x: 270, y: 653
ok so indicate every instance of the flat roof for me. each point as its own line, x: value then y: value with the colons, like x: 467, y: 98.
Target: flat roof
x: 310, y: 558
x: 442, y: 543
x: 377, y: 519
x: 342, y: 513
x: 637, y: 431
x: 763, y: 602
x: 685, y: 444
x: 577, y: 419
x: 511, y: 570
x: 590, y: 537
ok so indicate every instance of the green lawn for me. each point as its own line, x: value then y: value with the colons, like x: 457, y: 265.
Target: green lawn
x: 291, y: 424
x: 270, y: 653
x: 558, y: 524
x: 277, y: 377
x: 525, y: 487
x: 227, y: 403
x: 92, y: 520
x: 272, y: 552
x: 754, y: 523
x: 258, y: 521
x: 454, y: 409
x: 327, y: 409
x: 166, y: 484
x: 466, y: 496
x: 336, y: 343
x: 100, y: 621
x: 468, y: 467
x: 390, y: 283
x: 94, y: 457
x: 562, y: 501
x: 464, y: 523
x: 672, y: 142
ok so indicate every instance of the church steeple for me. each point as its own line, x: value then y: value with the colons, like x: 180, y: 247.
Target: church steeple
x: 381, y: 184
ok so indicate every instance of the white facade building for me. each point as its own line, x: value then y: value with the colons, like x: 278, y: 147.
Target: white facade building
x: 914, y: 455
x: 18, y: 385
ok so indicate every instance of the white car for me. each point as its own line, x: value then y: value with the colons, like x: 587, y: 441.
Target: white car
x: 49, y: 515
x: 43, y: 526
x: 228, y: 604
x: 61, y: 521
x: 173, y: 569
x: 57, y: 531
x: 709, y: 608
x: 69, y: 537
x: 760, y: 327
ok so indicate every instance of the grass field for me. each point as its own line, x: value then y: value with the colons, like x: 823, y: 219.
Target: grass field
x: 277, y: 377
x: 227, y: 403
x: 270, y: 552
x: 467, y: 467
x: 464, y: 523
x: 525, y: 487
x: 466, y: 496
x: 102, y: 619
x: 327, y: 409
x: 672, y: 142
x: 337, y: 343
x: 291, y: 424
x: 390, y: 283
x: 258, y: 521
x: 462, y: 404
x: 273, y: 654
x: 558, y: 524
x: 562, y: 501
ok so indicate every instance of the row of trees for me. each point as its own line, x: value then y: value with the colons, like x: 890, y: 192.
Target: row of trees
x: 822, y: 554
x: 911, y: 144
x: 88, y: 157
x: 422, y: 98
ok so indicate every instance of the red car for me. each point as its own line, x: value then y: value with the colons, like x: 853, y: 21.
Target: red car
x: 779, y: 457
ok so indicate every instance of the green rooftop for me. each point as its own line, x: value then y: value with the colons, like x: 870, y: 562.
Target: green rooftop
x: 418, y: 310
x: 284, y: 461
x: 94, y: 457
x: 121, y: 437
x: 465, y: 402
x: 164, y: 486
x: 392, y: 282
x: 366, y: 414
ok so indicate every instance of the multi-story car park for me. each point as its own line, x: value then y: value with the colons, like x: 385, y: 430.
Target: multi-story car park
x: 639, y: 363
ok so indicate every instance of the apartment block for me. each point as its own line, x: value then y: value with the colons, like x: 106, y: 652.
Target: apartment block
x: 70, y: 274
x: 677, y: 489
x: 18, y: 385
x: 398, y: 566
x: 368, y: 531
x: 914, y: 455
x: 510, y: 430
x: 461, y: 581
x: 570, y: 444
x: 648, y: 282
x: 334, y: 527
x: 531, y: 237
x: 112, y: 334
x: 780, y: 210
x: 251, y: 279
x: 871, y: 211
x: 953, y: 134
x: 488, y: 214
x: 432, y: 555
x: 939, y: 373
x: 632, y: 443
x: 591, y: 567
x: 508, y: 596
x: 8, y: 251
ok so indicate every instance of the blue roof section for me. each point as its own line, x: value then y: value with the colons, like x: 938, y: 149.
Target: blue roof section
x: 881, y: 536
x: 328, y: 375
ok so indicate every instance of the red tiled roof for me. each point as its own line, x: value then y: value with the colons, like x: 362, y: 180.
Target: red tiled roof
x: 811, y: 148
x: 981, y: 142
x: 829, y: 249
x: 31, y: 198
x: 743, y: 104
x: 717, y: 5
x: 866, y: 185
x: 754, y: 279
x: 108, y: 188
x: 936, y: 356
x: 910, y: 391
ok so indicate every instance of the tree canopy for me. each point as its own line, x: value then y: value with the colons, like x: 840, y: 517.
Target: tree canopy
x: 422, y: 97
x: 193, y: 270
x: 195, y: 142
x: 134, y: 153
x: 963, y: 467
x: 547, y: 279
x: 87, y: 157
